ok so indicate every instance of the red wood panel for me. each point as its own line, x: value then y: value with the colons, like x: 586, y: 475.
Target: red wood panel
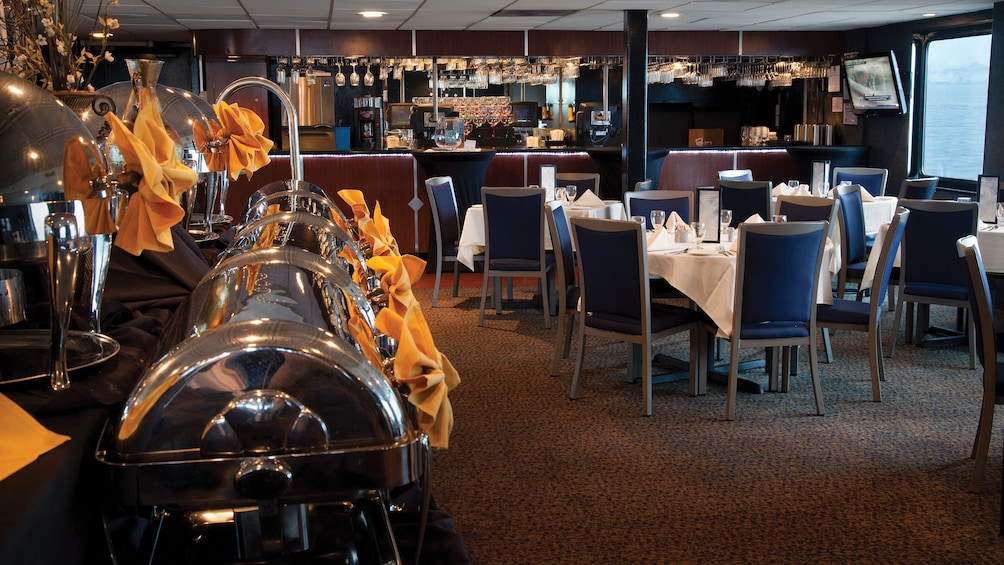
x: 453, y: 43
x: 693, y: 43
x: 577, y: 162
x: 775, y: 165
x: 367, y: 43
x: 689, y: 169
x: 793, y: 43
x: 506, y: 169
x: 220, y: 73
x: 568, y: 43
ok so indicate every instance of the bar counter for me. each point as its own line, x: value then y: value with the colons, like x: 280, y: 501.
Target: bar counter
x: 396, y: 177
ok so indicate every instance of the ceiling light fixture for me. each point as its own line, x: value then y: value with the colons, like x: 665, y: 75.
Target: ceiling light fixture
x: 929, y: 15
x: 372, y: 14
x: 669, y: 15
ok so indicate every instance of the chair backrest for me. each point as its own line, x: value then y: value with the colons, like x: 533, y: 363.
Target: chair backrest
x: 514, y: 223
x: 807, y: 208
x: 613, y: 271
x: 918, y: 189
x: 853, y: 248
x: 582, y: 182
x: 647, y: 184
x: 887, y: 259
x: 929, y: 252
x: 777, y: 274
x: 561, y: 243
x: 735, y: 174
x: 872, y: 179
x: 445, y: 216
x: 642, y: 204
x: 981, y: 304
x: 745, y: 198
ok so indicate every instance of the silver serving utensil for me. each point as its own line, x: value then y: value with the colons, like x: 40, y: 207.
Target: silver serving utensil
x: 61, y: 243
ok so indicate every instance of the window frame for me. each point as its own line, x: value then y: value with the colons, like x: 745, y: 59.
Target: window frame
x: 921, y: 45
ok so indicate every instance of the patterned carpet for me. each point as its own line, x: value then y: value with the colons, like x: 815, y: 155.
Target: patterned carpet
x: 534, y: 477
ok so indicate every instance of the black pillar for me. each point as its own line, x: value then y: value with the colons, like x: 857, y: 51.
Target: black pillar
x: 635, y: 96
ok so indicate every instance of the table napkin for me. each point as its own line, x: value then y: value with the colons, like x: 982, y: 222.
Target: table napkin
x: 426, y: 372
x: 659, y: 240
x: 400, y: 272
x: 354, y: 198
x: 674, y: 222
x: 589, y: 200
x: 235, y: 143
x: 782, y: 189
x: 865, y: 195
x: 376, y: 231
x: 151, y: 164
x: 22, y: 438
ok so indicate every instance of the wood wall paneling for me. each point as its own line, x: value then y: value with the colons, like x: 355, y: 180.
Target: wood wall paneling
x: 366, y: 43
x: 693, y: 43
x: 578, y: 162
x: 575, y: 43
x: 245, y: 42
x: 220, y: 73
x: 793, y: 43
x: 776, y: 165
x: 430, y: 43
x: 687, y: 170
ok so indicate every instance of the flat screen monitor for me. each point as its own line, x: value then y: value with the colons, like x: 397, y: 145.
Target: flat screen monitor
x: 524, y: 114
x: 399, y: 115
x: 874, y: 84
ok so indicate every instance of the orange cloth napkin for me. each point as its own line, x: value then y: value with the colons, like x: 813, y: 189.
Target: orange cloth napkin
x: 78, y: 184
x: 235, y: 143
x: 426, y: 372
x: 376, y: 231
x: 22, y: 438
x: 151, y: 162
x: 356, y: 200
x: 363, y: 336
x: 400, y: 272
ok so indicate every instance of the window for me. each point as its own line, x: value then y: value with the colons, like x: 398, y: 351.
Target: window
x: 956, y: 78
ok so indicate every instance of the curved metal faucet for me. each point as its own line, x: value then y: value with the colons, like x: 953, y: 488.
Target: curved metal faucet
x: 291, y: 117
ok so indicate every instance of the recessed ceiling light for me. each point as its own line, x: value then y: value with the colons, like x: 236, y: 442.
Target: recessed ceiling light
x: 669, y: 15
x: 929, y: 15
x: 372, y: 14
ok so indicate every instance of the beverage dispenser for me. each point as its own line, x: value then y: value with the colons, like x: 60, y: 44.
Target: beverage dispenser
x: 367, y: 128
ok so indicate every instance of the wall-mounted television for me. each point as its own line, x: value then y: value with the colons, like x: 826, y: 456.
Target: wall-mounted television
x: 874, y: 84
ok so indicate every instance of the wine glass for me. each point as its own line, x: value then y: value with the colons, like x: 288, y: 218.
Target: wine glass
x: 658, y: 218
x: 698, y: 228
x: 368, y: 77
x: 781, y: 218
x: 639, y: 219
x: 339, y: 76
x: 354, y: 77
x: 793, y: 184
x: 570, y: 191
x: 726, y: 221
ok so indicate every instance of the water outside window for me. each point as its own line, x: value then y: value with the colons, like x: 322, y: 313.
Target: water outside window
x: 955, y: 110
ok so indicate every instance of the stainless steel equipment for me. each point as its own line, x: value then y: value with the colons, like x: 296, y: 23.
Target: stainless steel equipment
x: 266, y: 431
x: 314, y: 99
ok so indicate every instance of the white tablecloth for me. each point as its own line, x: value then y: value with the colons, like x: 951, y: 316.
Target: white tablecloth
x: 710, y: 280
x: 991, y: 240
x: 472, y: 237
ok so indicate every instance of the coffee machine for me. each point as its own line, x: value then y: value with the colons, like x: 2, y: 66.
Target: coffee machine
x: 367, y: 128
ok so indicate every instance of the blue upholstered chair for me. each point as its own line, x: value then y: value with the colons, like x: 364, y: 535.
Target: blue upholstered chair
x: 918, y: 189
x: 735, y: 174
x: 642, y: 203
x: 582, y: 182
x: 930, y: 272
x: 566, y: 289
x: 647, y: 184
x: 871, y: 179
x: 745, y: 198
x: 853, y: 251
x: 514, y: 243
x: 446, y: 228
x: 986, y: 345
x: 616, y: 304
x: 867, y: 316
x: 807, y: 208
x: 775, y: 301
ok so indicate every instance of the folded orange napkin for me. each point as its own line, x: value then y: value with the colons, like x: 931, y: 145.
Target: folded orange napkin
x: 22, y: 438
x: 426, y: 372
x: 376, y: 231
x: 235, y: 143
x: 363, y: 336
x: 400, y: 272
x: 79, y: 177
x: 152, y: 164
x: 354, y: 198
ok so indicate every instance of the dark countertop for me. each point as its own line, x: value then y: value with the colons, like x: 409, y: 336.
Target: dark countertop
x: 599, y: 150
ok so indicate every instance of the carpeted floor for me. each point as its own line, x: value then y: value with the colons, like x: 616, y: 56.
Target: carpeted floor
x: 534, y: 477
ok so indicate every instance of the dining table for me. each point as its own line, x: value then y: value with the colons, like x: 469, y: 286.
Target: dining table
x: 472, y: 235
x: 991, y: 240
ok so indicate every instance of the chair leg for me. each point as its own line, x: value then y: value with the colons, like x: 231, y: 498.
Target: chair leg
x: 645, y: 353
x: 634, y: 362
x: 484, y: 295
x: 972, y: 342
x: 733, y: 386
x: 574, y: 391
x: 560, y: 348
x: 456, y: 278
x: 439, y: 275
x: 497, y: 294
x: 875, y: 362
x: 787, y: 353
x: 895, y: 326
x: 773, y: 357
x: 983, y: 432
x: 544, y: 299
x: 827, y: 347
x: 814, y: 373
x: 698, y: 361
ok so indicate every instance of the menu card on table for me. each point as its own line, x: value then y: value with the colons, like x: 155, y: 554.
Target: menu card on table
x: 709, y: 212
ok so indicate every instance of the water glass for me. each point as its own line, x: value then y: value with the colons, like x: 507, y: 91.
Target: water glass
x: 658, y: 218
x: 698, y: 229
x: 793, y: 184
x: 726, y: 222
x: 1000, y: 213
x: 570, y: 191
x: 780, y: 217
x: 639, y: 219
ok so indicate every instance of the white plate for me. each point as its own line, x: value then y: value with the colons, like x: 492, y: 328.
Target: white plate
x: 703, y: 251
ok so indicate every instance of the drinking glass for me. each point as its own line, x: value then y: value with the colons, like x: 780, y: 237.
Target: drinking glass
x: 698, y: 228
x: 339, y: 76
x: 354, y: 77
x: 570, y: 191
x: 658, y: 218
x: 780, y: 217
x: 793, y: 183
x: 639, y: 219
x: 726, y: 222
x: 1000, y: 214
